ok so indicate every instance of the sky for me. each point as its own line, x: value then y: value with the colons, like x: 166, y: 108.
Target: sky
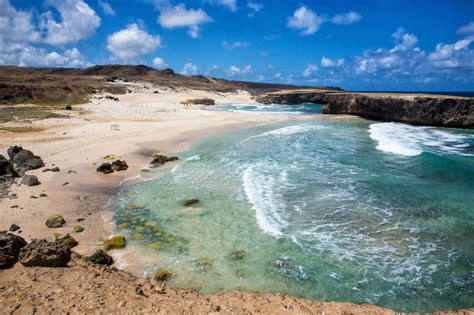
x: 376, y: 45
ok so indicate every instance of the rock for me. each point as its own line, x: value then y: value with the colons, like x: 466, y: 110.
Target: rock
x: 12, y: 151
x: 14, y: 227
x: 119, y: 165
x: 240, y: 254
x: 100, y: 257
x: 114, y: 242
x: 205, y: 263
x: 78, y: 229
x: 10, y: 246
x: 190, y: 202
x: 67, y: 107
x: 25, y: 160
x: 159, y: 160
x: 201, y: 101
x: 67, y: 241
x: 30, y: 180
x: 6, y: 168
x: 54, y: 169
x: 42, y: 253
x: 105, y: 168
x: 55, y: 221
x: 167, y: 71
x: 43, y: 195
x: 162, y: 274
x: 80, y: 219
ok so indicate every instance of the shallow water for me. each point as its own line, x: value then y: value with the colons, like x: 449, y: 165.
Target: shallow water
x: 333, y: 209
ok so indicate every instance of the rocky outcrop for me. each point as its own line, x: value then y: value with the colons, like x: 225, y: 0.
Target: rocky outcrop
x: 10, y: 246
x: 24, y: 160
x: 199, y: 101
x: 159, y: 160
x: 431, y: 110
x: 41, y: 253
x: 115, y: 166
x: 6, y: 168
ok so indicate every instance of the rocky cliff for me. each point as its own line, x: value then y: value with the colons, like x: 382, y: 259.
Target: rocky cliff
x: 431, y: 110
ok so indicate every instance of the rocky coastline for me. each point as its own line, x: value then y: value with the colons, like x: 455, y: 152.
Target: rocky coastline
x: 418, y: 109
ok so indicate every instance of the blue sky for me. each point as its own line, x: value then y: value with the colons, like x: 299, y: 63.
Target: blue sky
x: 360, y: 44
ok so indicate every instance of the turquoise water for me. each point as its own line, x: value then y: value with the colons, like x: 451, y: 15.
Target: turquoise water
x: 340, y: 209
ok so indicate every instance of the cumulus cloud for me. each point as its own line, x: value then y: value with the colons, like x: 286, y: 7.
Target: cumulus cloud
x: 306, y: 20
x: 159, y: 62
x: 189, y: 69
x: 16, y: 26
x: 234, y: 70
x: 467, y: 29
x: 229, y: 4
x: 348, y: 18
x: 455, y: 55
x: 310, y: 70
x: 254, y: 7
x: 235, y: 45
x: 78, y: 21
x: 404, y: 40
x: 107, y: 8
x: 132, y: 42
x: 178, y: 16
x: 326, y: 62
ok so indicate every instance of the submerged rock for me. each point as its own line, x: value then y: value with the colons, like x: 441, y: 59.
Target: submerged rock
x: 190, y: 202
x: 105, y: 168
x: 119, y: 165
x: 67, y: 241
x: 159, y: 160
x: 42, y: 253
x: 55, y: 221
x: 162, y: 274
x: 10, y: 246
x: 100, y: 257
x: 239, y: 254
x: 115, y: 242
x: 30, y: 180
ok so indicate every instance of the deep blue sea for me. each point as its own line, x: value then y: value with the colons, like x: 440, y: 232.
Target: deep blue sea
x: 333, y: 208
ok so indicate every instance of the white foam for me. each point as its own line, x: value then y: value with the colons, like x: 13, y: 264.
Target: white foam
x: 289, y: 130
x: 265, y: 203
x: 410, y: 140
x: 196, y: 157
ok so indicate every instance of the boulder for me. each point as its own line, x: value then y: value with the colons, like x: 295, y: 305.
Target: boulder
x: 119, y: 165
x: 55, y: 221
x: 12, y: 151
x: 14, y: 227
x: 30, y: 180
x: 159, y: 160
x: 190, y: 202
x: 10, y: 246
x: 100, y: 257
x: 41, y: 253
x: 67, y: 107
x: 6, y: 168
x: 105, y: 168
x: 162, y: 274
x: 25, y: 160
x: 116, y: 242
x: 67, y: 241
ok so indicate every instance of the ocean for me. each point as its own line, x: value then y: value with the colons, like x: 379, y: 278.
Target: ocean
x: 336, y: 209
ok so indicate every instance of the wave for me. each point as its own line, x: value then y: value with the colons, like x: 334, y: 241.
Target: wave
x: 410, y: 140
x: 289, y: 130
x: 265, y: 202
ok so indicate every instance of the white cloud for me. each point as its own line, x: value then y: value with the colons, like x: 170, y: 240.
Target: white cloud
x: 179, y: 16
x: 132, y: 42
x: 310, y: 70
x: 235, y: 45
x: 404, y: 40
x: 233, y: 70
x: 78, y: 21
x: 189, y: 69
x: 16, y: 26
x: 326, y: 62
x: 305, y: 20
x: 254, y: 7
x: 159, y: 62
x: 106, y: 7
x: 467, y: 29
x: 348, y: 18
x: 230, y: 4
x: 453, y: 55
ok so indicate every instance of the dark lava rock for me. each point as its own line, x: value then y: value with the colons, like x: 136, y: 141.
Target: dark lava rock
x: 10, y: 246
x: 12, y: 151
x: 54, y: 169
x: 42, y: 253
x: 159, y: 160
x: 100, y: 257
x: 119, y: 165
x: 25, y: 160
x: 14, y: 227
x: 30, y: 180
x: 68, y: 107
x: 190, y: 202
x: 6, y: 168
x: 55, y: 221
x: 105, y: 168
x: 67, y: 241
